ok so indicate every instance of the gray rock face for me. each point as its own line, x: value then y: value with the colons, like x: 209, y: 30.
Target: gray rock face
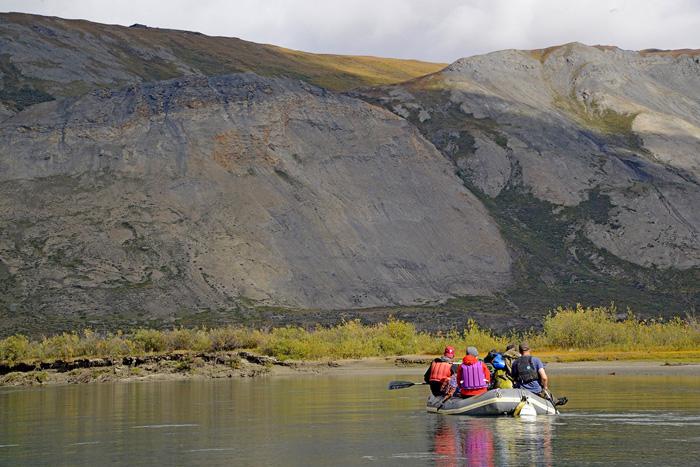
x: 568, y: 120
x: 198, y: 193
x: 514, y: 181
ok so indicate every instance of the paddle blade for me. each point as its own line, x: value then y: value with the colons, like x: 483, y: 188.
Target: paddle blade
x: 561, y: 401
x: 401, y: 384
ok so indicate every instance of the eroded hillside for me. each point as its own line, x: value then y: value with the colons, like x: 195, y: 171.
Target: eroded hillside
x: 210, y: 193
x: 141, y: 183
x: 589, y: 159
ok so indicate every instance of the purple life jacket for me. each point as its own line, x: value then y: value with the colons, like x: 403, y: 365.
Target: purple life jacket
x: 473, y: 376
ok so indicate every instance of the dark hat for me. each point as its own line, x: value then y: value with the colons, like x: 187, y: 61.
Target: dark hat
x: 524, y: 346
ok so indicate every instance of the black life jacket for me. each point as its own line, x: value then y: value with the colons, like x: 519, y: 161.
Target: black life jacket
x: 524, y: 370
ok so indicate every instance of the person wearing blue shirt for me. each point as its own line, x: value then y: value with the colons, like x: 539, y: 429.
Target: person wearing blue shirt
x: 528, y: 372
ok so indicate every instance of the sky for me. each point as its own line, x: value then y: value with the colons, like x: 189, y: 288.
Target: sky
x: 433, y: 30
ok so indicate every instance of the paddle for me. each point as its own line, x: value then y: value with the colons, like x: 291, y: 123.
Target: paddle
x: 403, y: 384
x: 559, y: 402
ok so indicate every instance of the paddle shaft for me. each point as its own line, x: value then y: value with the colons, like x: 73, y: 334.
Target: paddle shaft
x: 404, y: 384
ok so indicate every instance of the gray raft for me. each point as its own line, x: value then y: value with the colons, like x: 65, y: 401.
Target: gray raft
x: 493, y: 402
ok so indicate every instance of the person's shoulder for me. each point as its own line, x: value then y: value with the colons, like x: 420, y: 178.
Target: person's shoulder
x: 537, y: 362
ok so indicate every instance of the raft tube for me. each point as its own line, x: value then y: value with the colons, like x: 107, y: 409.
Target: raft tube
x: 493, y: 402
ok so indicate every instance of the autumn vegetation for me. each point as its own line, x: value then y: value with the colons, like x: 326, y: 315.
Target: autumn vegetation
x: 567, y: 334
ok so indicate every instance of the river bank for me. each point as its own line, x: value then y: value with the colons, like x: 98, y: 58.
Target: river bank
x: 188, y: 365
x: 567, y: 335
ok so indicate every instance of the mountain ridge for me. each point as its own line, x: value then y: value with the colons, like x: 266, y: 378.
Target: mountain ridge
x: 497, y: 187
x: 54, y: 57
x: 587, y: 159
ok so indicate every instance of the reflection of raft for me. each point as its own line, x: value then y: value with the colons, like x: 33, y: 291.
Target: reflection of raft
x: 493, y: 402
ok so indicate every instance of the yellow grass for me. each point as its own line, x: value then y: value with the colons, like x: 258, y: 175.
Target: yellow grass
x: 568, y: 334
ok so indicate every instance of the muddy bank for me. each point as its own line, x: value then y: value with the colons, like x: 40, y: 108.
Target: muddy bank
x: 241, y: 364
x: 174, y: 366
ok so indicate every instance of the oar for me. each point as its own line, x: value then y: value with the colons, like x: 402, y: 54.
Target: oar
x: 559, y: 402
x: 403, y: 384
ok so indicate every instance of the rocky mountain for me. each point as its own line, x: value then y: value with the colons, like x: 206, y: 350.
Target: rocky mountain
x: 495, y: 188
x: 199, y: 193
x: 587, y: 157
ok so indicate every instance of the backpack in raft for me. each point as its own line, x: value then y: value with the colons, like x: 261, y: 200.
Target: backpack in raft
x: 502, y: 380
x: 498, y: 362
x: 525, y: 371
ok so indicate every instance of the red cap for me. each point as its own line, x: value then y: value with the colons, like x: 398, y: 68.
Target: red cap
x: 449, y: 351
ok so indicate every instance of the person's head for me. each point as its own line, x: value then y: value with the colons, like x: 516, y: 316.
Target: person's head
x: 449, y: 352
x: 510, y: 347
x: 472, y: 351
x: 524, y: 348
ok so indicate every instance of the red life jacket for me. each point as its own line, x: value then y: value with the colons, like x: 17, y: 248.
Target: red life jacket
x: 440, y: 370
x: 472, y: 376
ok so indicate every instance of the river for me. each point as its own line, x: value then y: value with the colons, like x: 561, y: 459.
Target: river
x: 345, y: 420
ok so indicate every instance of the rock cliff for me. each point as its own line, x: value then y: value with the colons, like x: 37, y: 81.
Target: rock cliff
x: 144, y: 181
x: 208, y: 193
x: 588, y: 157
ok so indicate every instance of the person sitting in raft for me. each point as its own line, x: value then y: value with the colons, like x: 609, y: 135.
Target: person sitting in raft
x: 473, y: 375
x: 509, y: 356
x: 440, y: 371
x: 528, y: 372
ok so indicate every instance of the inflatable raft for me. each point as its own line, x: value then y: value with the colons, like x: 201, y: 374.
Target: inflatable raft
x: 493, y: 402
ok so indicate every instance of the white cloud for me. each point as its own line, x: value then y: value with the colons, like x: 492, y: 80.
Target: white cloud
x: 438, y: 30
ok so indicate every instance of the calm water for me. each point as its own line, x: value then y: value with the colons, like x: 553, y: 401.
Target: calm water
x: 351, y: 420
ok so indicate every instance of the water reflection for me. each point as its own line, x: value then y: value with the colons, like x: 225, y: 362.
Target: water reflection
x: 343, y: 420
x: 480, y: 441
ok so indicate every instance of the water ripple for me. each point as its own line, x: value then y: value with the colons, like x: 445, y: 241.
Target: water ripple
x: 181, y: 425
x: 211, y: 449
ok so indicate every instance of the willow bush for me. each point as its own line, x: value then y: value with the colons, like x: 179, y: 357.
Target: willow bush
x: 598, y: 328
x: 564, y: 329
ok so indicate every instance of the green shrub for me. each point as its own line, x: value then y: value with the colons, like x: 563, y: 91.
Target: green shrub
x: 580, y: 327
x: 14, y: 349
x: 565, y: 329
x: 111, y: 345
x: 231, y: 338
x: 149, y: 340
x: 64, y: 346
x: 597, y: 328
x: 187, y: 339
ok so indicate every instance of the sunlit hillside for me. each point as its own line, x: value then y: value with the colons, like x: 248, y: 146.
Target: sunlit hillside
x: 46, y: 57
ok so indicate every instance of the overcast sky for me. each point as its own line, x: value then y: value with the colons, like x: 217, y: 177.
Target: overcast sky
x: 437, y: 30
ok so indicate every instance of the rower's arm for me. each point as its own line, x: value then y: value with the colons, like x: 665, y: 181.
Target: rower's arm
x: 543, y: 378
